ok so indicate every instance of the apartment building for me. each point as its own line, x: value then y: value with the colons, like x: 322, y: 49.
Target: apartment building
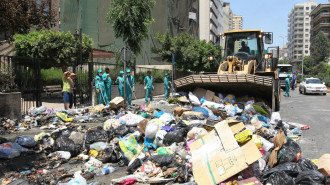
x: 320, y: 21
x: 237, y: 22
x: 299, y: 31
x: 227, y: 17
x: 210, y: 19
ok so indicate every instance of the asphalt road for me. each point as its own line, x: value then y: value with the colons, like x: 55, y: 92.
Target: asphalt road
x: 312, y: 110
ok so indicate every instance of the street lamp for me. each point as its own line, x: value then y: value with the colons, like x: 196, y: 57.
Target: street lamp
x: 283, y: 46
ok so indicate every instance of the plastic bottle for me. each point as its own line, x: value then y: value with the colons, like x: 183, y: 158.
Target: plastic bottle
x: 78, y: 118
x: 104, y: 171
x: 40, y: 110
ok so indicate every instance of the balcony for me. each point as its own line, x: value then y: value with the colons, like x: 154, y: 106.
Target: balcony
x: 216, y: 3
x: 214, y: 19
x: 214, y: 29
x: 214, y: 8
x: 320, y: 16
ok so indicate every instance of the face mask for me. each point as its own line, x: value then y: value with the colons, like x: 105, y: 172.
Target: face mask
x: 100, y: 74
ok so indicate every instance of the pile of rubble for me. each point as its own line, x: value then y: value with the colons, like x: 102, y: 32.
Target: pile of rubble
x: 196, y: 137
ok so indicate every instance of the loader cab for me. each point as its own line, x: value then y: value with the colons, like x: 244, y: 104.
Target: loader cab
x: 246, y: 45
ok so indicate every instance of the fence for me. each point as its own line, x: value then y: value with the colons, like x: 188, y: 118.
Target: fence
x: 25, y: 73
x: 38, y: 84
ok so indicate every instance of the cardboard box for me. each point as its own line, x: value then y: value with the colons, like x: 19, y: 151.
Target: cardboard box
x: 116, y: 102
x: 217, y: 156
x: 216, y: 99
x: 199, y: 92
x: 324, y: 164
x: 209, y: 95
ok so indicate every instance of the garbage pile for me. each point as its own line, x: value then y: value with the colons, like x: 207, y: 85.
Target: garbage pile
x: 196, y: 137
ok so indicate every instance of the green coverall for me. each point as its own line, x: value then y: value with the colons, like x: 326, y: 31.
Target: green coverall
x: 107, y: 82
x: 101, y: 95
x: 287, y: 87
x: 167, y: 87
x: 129, y: 88
x: 149, y: 87
x: 120, y: 85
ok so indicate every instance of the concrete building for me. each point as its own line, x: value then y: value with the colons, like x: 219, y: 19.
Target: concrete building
x: 237, y: 22
x: 89, y: 15
x: 227, y: 17
x: 210, y: 19
x: 299, y: 31
x: 320, y: 21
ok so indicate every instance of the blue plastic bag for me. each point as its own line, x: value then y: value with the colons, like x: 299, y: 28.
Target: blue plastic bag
x: 202, y: 100
x: 158, y: 114
x: 26, y: 141
x: 202, y: 110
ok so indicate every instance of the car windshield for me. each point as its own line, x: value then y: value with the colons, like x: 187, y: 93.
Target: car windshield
x: 313, y: 81
x: 285, y: 69
x: 242, y: 43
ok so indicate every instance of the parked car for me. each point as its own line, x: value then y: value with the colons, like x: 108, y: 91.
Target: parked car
x: 312, y: 86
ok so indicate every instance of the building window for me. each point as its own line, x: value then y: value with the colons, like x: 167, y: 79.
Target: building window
x: 306, y: 40
x: 306, y: 46
x: 306, y: 30
x: 307, y: 13
x: 306, y: 24
x: 306, y: 35
x: 306, y: 51
x: 307, y: 8
x: 307, y: 19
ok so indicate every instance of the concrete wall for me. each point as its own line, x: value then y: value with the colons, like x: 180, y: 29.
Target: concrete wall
x: 10, y: 105
x: 139, y: 91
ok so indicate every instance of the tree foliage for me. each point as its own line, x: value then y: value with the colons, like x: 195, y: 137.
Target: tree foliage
x: 20, y: 15
x: 189, y: 53
x: 53, y: 48
x: 320, y: 48
x: 130, y: 20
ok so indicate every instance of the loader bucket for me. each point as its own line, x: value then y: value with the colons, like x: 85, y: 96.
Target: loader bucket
x: 259, y: 87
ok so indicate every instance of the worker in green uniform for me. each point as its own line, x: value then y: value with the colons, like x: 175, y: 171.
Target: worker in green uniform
x: 287, y: 86
x: 148, y: 86
x: 129, y: 86
x: 107, y: 83
x: 167, y: 86
x: 120, y: 82
x: 100, y: 88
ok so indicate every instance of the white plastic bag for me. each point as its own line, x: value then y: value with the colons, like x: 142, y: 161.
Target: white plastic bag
x: 193, y: 99
x: 166, y: 118
x: 78, y: 179
x: 152, y: 128
x: 275, y: 118
x: 61, y: 154
x: 212, y: 104
x: 160, y: 137
x: 99, y: 146
x: 93, y: 162
x: 111, y: 123
x: 131, y: 120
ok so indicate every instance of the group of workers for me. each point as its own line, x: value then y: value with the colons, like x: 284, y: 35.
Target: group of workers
x: 289, y: 83
x: 103, y: 86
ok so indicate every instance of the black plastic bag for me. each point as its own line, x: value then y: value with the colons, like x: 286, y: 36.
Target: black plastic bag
x: 122, y: 130
x: 311, y: 177
x: 306, y: 165
x: 280, y: 178
x: 132, y: 129
x: 63, y: 143
x: 290, y: 168
x: 163, y: 160
x: 137, y: 163
x: 290, y: 152
x: 65, y: 132
x: 96, y: 135
x: 26, y: 141
x: 111, y: 156
x: 198, y: 125
x: 176, y: 136
x: 3, y: 140
x: 194, y: 117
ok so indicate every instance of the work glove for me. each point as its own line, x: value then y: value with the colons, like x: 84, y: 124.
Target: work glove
x: 145, y: 88
x: 97, y: 91
x: 153, y: 87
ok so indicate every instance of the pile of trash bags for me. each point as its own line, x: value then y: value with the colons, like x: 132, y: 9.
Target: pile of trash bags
x: 196, y: 138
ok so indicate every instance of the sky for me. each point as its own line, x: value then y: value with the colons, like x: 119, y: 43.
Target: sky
x: 268, y: 15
